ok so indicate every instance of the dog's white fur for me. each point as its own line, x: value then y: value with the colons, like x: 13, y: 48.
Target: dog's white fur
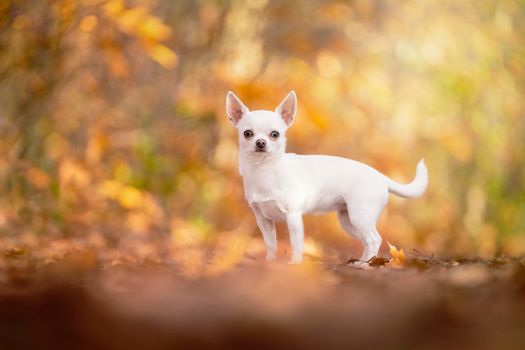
x: 283, y: 186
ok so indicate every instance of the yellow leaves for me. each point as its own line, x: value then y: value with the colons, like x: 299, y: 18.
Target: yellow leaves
x: 143, y: 209
x: 162, y: 55
x: 153, y: 28
x: 130, y: 20
x: 128, y: 197
x: 114, y: 7
x: 398, y: 256
x: 150, y: 30
x: 88, y: 23
x: 138, y: 22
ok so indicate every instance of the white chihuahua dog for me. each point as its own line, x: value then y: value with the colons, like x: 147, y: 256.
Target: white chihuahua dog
x: 283, y: 186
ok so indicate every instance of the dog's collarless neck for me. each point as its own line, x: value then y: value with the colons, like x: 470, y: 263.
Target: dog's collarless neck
x: 249, y: 164
x: 255, y: 159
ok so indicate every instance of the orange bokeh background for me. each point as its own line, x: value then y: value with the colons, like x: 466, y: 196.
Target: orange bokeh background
x: 113, y: 130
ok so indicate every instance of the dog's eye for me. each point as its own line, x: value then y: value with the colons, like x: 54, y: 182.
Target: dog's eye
x: 248, y: 134
x: 274, y: 134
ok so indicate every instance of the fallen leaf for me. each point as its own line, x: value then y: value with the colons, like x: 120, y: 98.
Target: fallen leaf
x: 398, y: 256
x: 13, y: 252
x: 351, y: 261
x: 377, y: 261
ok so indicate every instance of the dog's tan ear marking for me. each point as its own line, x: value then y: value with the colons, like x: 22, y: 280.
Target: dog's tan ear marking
x: 235, y: 109
x: 287, y: 108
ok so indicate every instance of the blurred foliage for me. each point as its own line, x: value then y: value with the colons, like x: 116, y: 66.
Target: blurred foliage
x: 112, y: 124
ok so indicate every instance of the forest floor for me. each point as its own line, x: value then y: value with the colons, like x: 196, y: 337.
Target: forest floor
x: 83, y: 299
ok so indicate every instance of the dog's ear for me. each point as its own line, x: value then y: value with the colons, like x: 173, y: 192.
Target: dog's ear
x: 287, y: 108
x: 235, y: 109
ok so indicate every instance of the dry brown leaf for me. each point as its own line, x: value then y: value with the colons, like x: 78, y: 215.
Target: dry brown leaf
x: 377, y: 261
x: 13, y: 252
x: 351, y: 261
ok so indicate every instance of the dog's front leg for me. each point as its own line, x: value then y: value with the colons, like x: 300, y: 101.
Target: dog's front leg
x: 294, y: 222
x: 267, y: 228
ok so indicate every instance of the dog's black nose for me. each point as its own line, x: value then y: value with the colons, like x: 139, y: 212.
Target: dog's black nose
x: 260, y: 143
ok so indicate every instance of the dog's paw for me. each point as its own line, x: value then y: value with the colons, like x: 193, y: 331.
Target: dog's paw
x: 270, y: 257
x: 358, y: 264
x: 295, y: 260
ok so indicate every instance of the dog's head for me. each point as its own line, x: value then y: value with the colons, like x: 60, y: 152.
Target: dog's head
x: 261, y: 133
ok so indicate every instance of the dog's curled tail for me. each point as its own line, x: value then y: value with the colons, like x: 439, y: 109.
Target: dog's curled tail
x: 414, y: 189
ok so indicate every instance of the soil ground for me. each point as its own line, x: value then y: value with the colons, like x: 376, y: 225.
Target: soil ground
x: 82, y: 301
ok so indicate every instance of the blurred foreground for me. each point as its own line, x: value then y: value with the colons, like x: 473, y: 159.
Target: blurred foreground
x: 85, y: 301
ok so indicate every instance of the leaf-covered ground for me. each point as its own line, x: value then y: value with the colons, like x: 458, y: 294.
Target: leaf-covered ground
x: 82, y: 298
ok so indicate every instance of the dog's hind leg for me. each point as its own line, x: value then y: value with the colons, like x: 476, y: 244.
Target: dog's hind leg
x: 362, y: 228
